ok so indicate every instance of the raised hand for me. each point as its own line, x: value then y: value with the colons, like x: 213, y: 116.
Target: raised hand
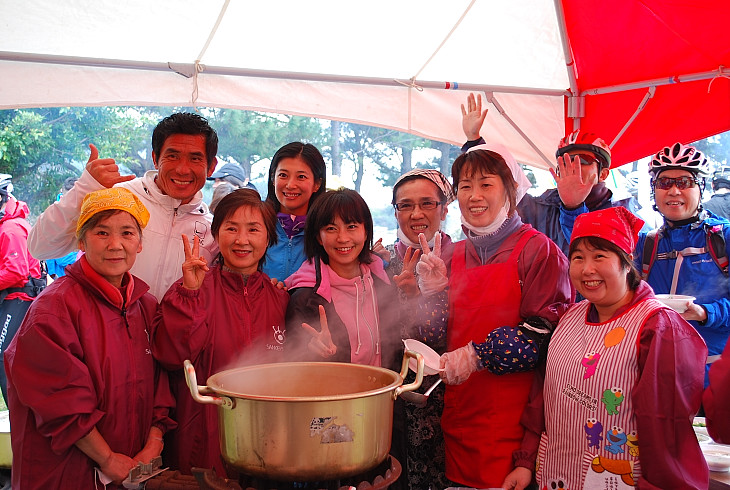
x: 431, y: 268
x: 406, y: 280
x: 104, y: 170
x: 321, y: 342
x: 195, y: 266
x: 472, y: 117
x: 569, y: 179
x: 380, y: 250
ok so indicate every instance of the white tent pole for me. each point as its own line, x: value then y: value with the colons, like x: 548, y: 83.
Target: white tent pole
x: 503, y: 113
x: 569, y: 62
x: 657, y: 82
x: 458, y: 22
x: 189, y: 69
x: 642, y: 104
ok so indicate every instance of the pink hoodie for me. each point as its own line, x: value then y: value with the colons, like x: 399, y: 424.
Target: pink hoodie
x: 355, y: 303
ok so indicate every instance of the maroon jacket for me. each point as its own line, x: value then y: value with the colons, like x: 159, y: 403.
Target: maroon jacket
x: 80, y: 360
x: 222, y: 325
x: 716, y: 399
x: 671, y: 357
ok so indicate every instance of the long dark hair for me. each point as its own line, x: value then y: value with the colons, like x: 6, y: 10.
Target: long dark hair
x: 633, y: 278
x: 351, y: 208
x: 314, y: 160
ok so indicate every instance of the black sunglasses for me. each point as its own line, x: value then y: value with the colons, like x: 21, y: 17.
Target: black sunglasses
x: 682, y: 183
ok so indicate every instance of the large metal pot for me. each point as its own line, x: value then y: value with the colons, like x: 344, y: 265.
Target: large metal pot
x: 304, y: 421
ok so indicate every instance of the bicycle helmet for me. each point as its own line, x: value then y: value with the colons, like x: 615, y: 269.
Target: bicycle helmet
x: 679, y: 156
x: 587, y: 142
x: 721, y: 178
x: 6, y: 184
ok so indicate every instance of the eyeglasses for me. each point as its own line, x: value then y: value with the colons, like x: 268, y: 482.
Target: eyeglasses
x: 586, y: 160
x: 407, y: 207
x: 682, y: 183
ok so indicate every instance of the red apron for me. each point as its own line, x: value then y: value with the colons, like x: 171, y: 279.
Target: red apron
x: 481, y: 417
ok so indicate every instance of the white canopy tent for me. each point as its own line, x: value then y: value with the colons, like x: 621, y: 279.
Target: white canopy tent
x: 390, y: 63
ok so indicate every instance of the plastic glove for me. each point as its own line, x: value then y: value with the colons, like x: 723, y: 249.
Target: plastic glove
x: 431, y: 269
x: 458, y: 364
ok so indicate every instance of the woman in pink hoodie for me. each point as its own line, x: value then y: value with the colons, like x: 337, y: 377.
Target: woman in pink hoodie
x: 348, y: 284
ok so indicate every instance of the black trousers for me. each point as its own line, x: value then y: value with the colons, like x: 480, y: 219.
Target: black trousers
x: 12, y: 312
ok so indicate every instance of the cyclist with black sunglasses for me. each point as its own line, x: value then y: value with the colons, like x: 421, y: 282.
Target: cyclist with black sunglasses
x: 688, y: 254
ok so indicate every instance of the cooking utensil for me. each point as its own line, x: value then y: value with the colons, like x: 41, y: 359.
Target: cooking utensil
x: 420, y: 399
x: 304, y: 421
x: 431, y: 358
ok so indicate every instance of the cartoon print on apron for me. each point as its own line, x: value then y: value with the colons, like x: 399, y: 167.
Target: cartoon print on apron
x: 600, y: 433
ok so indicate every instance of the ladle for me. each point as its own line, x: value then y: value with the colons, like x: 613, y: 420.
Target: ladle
x: 419, y: 399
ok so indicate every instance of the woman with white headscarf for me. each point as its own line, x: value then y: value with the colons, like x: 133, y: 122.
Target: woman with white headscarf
x: 507, y: 287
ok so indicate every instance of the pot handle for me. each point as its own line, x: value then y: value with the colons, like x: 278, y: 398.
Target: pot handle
x: 201, y: 394
x: 404, y: 370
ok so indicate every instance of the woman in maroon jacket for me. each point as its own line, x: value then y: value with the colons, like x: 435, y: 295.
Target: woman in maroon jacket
x: 219, y: 317
x: 84, y: 392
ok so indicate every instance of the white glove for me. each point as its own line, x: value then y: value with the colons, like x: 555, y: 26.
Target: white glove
x: 431, y: 270
x: 458, y: 364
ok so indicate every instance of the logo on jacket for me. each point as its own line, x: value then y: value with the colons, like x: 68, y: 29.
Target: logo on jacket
x: 201, y: 231
x: 279, y: 334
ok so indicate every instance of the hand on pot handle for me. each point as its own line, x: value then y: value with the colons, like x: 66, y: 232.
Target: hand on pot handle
x: 431, y: 268
x: 321, y: 342
x: 458, y: 364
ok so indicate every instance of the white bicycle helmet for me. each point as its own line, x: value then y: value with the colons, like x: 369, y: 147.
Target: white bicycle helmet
x: 6, y: 184
x: 682, y: 157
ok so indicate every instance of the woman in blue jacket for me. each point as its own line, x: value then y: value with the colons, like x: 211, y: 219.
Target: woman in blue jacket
x: 297, y: 177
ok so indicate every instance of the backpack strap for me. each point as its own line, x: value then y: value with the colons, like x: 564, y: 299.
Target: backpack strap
x: 648, y: 254
x: 716, y: 247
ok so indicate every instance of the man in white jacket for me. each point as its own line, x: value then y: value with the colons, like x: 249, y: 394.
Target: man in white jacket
x: 183, y: 151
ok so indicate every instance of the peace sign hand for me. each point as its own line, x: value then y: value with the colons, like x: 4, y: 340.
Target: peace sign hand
x: 321, y: 342
x: 195, y: 266
x: 406, y: 280
x: 569, y: 179
x: 431, y: 268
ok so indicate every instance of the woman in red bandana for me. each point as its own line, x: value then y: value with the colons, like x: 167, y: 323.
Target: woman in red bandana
x: 624, y: 376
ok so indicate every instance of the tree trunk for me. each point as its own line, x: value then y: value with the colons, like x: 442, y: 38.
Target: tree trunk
x: 444, y: 166
x: 407, y: 163
x: 336, y: 155
x: 360, y: 171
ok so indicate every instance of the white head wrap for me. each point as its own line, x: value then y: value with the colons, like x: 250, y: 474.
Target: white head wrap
x: 523, y: 183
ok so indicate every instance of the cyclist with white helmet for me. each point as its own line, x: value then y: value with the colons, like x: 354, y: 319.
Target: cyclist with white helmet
x: 20, y: 273
x: 583, y: 156
x: 688, y: 254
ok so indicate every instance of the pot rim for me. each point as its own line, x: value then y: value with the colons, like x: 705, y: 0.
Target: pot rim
x: 214, y: 386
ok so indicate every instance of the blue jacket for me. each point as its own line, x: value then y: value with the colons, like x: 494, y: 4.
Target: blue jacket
x: 284, y: 258
x: 699, y: 275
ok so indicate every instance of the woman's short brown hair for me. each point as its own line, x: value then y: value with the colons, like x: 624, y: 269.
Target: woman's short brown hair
x: 486, y: 162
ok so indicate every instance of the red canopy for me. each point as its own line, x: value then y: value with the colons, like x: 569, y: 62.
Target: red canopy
x: 650, y: 49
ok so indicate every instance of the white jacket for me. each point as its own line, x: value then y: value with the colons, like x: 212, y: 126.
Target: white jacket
x: 159, y: 264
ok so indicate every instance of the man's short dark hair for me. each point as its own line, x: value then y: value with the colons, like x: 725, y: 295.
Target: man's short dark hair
x: 185, y: 123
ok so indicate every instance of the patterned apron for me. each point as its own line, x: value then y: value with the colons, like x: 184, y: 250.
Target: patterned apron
x: 590, y: 439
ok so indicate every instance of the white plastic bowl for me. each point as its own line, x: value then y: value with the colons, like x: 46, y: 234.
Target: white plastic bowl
x: 717, y: 457
x: 677, y: 302
x: 431, y: 358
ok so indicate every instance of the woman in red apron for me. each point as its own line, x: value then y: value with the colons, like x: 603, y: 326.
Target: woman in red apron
x: 507, y: 288
x: 623, y: 378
